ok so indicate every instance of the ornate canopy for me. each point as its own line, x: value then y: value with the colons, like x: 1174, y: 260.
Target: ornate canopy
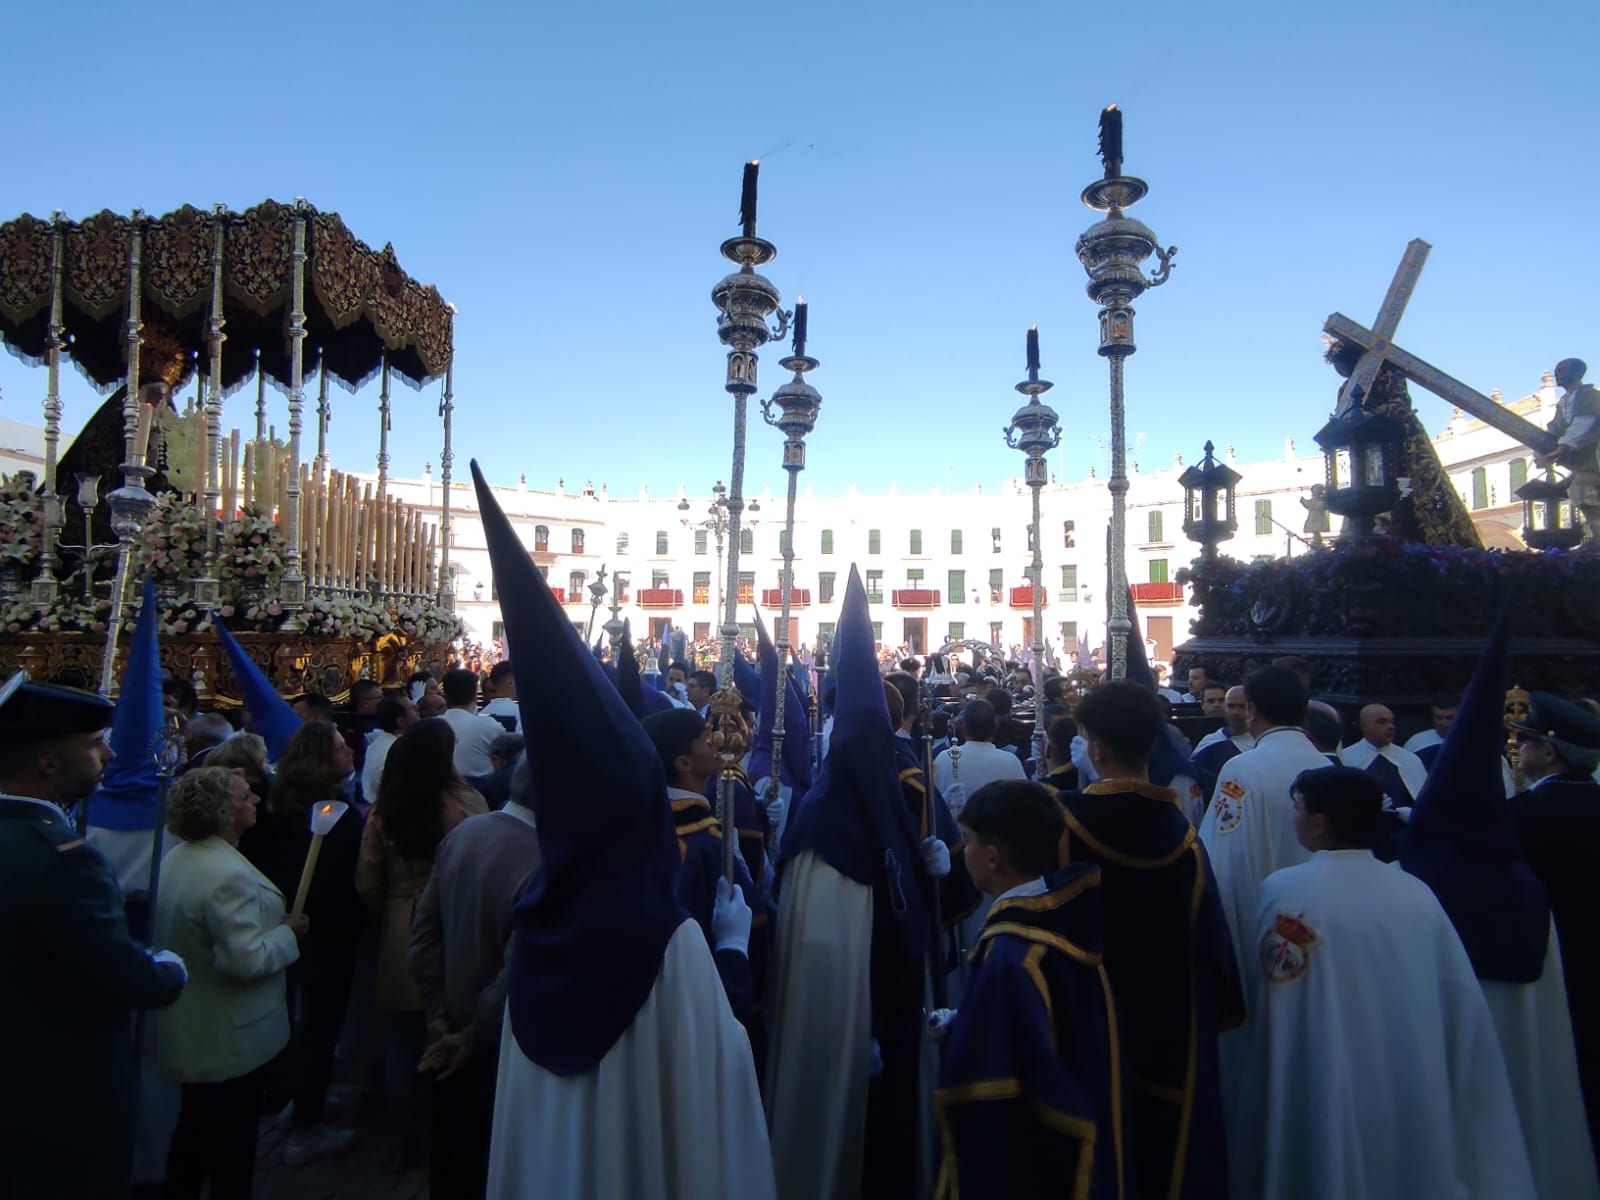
x: 359, y: 303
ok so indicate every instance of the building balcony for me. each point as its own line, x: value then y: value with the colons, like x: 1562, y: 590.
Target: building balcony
x: 915, y: 598
x: 1022, y: 597
x: 773, y: 598
x: 560, y: 595
x: 1157, y: 593
x: 660, y: 598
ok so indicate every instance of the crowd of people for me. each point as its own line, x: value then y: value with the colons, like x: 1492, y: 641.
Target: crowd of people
x: 1190, y: 943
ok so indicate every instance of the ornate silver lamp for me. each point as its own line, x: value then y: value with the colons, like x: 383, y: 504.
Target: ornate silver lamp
x: 131, y: 505
x: 1547, y: 519
x: 1035, y: 432
x: 1202, y: 485
x: 797, y: 404
x: 1361, y: 451
x: 744, y: 301
x: 1113, y: 251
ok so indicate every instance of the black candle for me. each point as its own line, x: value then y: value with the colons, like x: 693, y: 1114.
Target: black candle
x: 1033, y: 349
x: 747, y: 199
x: 1111, y: 140
x: 800, y: 329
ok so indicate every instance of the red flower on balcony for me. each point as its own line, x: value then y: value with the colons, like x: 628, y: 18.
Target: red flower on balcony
x: 915, y: 598
x: 660, y: 598
x: 773, y: 598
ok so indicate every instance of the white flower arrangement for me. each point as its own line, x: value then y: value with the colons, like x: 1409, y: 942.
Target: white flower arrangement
x: 21, y: 520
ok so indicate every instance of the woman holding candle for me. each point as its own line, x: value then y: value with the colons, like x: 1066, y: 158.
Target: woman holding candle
x: 227, y: 921
x: 422, y: 798
x: 313, y: 770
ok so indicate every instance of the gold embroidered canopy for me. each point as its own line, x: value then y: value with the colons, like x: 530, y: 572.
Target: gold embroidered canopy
x: 359, y: 305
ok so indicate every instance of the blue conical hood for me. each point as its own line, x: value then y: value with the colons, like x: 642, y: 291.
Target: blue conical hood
x: 270, y: 714
x: 855, y: 817
x: 664, y: 656
x: 745, y: 677
x: 126, y: 799
x: 590, y: 929
x: 641, y: 701
x: 1462, y: 840
x: 1170, y: 758
x: 796, y: 766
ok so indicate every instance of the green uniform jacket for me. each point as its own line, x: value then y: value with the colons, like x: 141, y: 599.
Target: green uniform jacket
x: 70, y: 980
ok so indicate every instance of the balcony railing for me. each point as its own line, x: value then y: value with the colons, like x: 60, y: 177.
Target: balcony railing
x: 916, y: 598
x: 660, y: 598
x: 1157, y: 593
x: 773, y: 598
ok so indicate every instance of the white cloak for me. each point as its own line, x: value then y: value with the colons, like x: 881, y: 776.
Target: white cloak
x: 1248, y: 833
x: 1412, y: 773
x: 1421, y: 741
x: 819, y: 1057
x: 672, y: 1112
x: 1383, y: 1076
x: 1536, y: 1035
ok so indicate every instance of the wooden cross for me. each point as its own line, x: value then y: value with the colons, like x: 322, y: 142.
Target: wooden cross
x: 1377, y: 345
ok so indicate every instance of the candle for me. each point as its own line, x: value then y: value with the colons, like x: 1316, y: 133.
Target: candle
x: 141, y: 437
x: 1033, y: 350
x: 1111, y: 140
x: 800, y: 328
x: 747, y: 199
x: 232, y: 507
x: 249, y: 474
x: 203, y: 479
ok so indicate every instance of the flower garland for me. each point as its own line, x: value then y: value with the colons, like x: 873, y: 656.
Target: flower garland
x: 21, y: 520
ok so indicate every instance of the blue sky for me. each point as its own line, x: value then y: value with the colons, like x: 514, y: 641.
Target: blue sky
x: 566, y: 172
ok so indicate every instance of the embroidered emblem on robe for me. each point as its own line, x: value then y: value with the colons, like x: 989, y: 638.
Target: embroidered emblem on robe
x: 1229, y: 804
x: 1286, y: 949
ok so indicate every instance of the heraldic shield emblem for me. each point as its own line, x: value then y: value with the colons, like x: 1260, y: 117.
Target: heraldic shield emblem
x: 1286, y: 949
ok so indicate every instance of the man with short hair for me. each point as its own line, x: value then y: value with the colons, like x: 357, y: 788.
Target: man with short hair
x: 503, y: 705
x: 1029, y: 1084
x: 1442, y: 713
x: 1213, y: 700
x: 365, y: 694
x: 178, y: 696
x: 75, y: 976
x: 431, y: 705
x: 1219, y: 746
x: 201, y: 735
x: 313, y: 706
x: 475, y: 733
x: 1370, y: 1014
x: 981, y: 761
x: 1197, y: 686
x: 504, y: 753
x: 701, y: 687
x: 1060, y: 774
x: 1398, y: 771
x: 1325, y: 727
x: 1249, y: 832
x: 396, y: 714
x: 1558, y: 826
x: 1167, y: 949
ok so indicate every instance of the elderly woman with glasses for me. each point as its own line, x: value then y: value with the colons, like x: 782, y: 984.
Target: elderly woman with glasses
x: 227, y: 921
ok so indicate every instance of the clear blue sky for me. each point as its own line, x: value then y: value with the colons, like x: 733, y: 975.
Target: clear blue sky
x: 565, y: 172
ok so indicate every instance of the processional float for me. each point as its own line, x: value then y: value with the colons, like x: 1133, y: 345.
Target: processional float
x: 331, y: 577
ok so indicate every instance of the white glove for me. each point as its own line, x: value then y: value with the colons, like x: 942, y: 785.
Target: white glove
x: 167, y: 956
x: 777, y: 805
x: 939, y: 1021
x: 955, y: 796
x: 935, y: 857
x: 1080, y: 759
x: 730, y: 918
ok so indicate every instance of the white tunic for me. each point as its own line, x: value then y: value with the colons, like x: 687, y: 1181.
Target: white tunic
x: 1421, y: 741
x: 1248, y: 832
x: 672, y: 1112
x: 1244, y: 741
x: 1412, y: 773
x: 1536, y: 1036
x: 819, y: 1059
x: 1383, y: 1073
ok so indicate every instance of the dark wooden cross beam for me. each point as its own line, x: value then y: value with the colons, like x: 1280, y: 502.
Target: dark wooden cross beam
x: 1378, y: 348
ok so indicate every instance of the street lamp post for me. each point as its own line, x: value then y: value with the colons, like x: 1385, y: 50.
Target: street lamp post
x: 1113, y: 251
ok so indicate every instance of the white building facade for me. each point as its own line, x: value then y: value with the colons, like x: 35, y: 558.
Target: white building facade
x: 938, y: 566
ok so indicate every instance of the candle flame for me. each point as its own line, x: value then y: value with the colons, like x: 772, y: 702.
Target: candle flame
x: 1031, y: 329
x: 755, y: 162
x: 800, y: 299
x: 327, y: 808
x: 1111, y: 108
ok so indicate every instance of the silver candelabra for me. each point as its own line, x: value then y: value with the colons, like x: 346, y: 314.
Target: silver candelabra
x: 1034, y: 431
x: 1113, y: 251
x: 797, y: 404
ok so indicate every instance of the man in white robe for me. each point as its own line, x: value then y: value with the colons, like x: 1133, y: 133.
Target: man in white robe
x: 1248, y: 832
x: 1383, y: 1075
x: 1377, y: 741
